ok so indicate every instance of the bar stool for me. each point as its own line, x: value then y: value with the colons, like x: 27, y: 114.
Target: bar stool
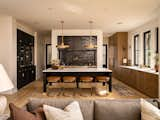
x: 69, y: 79
x: 102, y: 79
x: 54, y: 79
x: 87, y: 79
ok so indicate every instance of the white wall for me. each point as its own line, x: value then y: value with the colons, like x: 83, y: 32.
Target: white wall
x: 40, y: 55
x: 7, y: 51
x: 159, y: 51
x: 47, y: 40
x: 79, y: 32
x: 140, y: 30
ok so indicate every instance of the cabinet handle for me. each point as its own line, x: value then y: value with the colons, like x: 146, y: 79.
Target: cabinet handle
x: 22, y: 74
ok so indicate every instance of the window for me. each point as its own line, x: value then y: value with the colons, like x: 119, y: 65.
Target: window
x: 157, y: 40
x: 147, y: 48
x: 136, y: 50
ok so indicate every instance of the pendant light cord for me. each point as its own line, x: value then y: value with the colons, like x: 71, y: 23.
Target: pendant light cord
x: 62, y: 32
x: 90, y: 22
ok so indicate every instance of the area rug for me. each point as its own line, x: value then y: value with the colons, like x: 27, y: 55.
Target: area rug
x: 123, y: 90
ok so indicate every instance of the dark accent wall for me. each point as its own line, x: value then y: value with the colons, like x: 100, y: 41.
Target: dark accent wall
x: 77, y: 54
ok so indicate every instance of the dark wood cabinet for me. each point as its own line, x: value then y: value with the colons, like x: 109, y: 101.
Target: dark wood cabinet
x: 25, y: 59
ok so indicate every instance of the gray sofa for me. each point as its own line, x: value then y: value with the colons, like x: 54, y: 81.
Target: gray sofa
x: 126, y: 109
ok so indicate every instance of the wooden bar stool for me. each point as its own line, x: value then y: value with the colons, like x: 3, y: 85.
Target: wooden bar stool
x: 69, y: 79
x: 54, y: 79
x: 87, y: 79
x: 102, y: 79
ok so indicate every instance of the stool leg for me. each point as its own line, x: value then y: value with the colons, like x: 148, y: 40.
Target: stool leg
x: 91, y: 91
x: 103, y: 83
x: 63, y: 89
x: 74, y: 91
x: 60, y: 90
x: 50, y: 83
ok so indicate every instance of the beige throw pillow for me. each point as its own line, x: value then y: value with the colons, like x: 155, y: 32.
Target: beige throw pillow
x: 149, y: 111
x: 71, y: 112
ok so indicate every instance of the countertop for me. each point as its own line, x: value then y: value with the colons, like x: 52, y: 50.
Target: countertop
x: 148, y: 70
x: 79, y: 69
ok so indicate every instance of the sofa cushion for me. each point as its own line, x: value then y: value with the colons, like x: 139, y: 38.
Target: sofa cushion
x: 117, y: 110
x: 87, y: 106
x: 71, y: 112
x: 40, y: 112
x: 19, y: 114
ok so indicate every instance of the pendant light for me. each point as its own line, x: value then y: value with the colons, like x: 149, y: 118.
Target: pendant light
x: 62, y: 45
x: 90, y: 45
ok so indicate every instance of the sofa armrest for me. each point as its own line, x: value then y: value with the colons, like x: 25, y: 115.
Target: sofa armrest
x: 158, y: 102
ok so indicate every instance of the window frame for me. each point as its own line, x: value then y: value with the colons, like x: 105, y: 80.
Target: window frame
x: 157, y: 39
x: 144, y: 46
x: 135, y: 36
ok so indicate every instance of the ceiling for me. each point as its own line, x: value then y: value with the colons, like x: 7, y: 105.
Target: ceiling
x: 109, y: 15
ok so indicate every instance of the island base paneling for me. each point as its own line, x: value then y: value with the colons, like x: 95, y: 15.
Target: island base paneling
x: 147, y: 83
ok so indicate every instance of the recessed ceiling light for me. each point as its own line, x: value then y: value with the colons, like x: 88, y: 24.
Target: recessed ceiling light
x: 36, y: 23
x: 73, y: 8
x: 50, y: 9
x: 119, y: 23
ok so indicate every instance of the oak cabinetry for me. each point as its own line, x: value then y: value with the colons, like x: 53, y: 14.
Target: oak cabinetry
x: 151, y: 84
x: 118, y: 49
x: 144, y: 82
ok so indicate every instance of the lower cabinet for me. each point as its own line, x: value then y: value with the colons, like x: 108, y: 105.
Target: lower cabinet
x: 147, y: 83
x: 25, y: 75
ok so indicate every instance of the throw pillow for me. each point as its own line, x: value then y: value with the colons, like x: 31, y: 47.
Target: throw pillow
x: 19, y: 114
x: 149, y: 111
x: 70, y: 112
x: 39, y: 112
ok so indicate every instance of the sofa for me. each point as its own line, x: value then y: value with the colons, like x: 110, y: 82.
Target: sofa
x: 96, y: 109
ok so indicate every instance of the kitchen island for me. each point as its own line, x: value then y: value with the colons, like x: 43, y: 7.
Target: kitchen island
x: 78, y: 72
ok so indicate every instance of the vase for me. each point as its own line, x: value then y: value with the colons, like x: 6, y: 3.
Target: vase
x: 156, y: 67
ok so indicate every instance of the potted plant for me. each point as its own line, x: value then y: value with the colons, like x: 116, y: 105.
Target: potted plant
x: 156, y: 62
x: 55, y: 63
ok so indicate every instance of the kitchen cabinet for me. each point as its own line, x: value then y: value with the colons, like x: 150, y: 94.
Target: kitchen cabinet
x: 146, y: 83
x: 118, y: 49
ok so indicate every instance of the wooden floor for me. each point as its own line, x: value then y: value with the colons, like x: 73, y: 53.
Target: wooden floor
x: 34, y: 89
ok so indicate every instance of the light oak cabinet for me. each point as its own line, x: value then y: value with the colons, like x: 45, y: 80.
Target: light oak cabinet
x: 147, y: 83
x: 118, y: 49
